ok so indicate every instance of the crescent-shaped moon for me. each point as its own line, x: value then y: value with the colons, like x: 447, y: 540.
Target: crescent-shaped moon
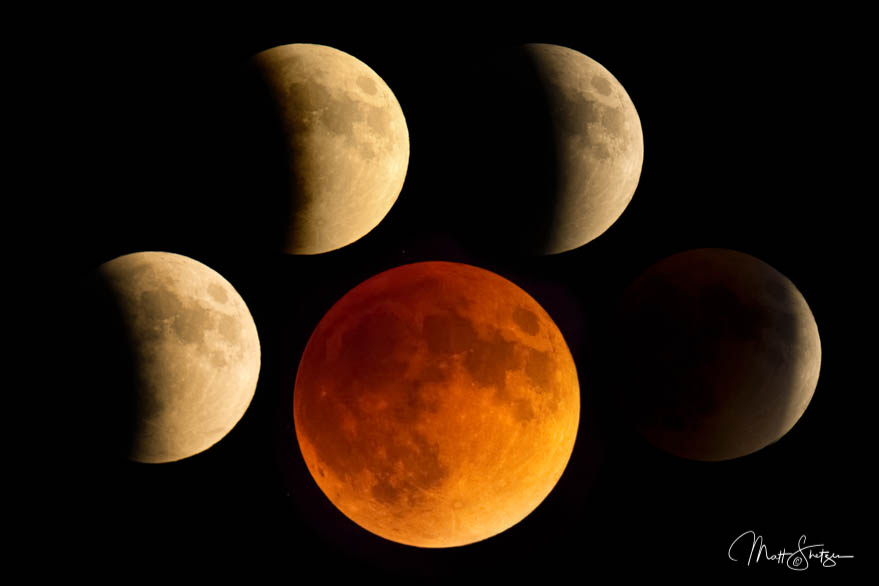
x: 348, y: 144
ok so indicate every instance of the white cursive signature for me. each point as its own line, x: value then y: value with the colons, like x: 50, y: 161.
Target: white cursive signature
x: 795, y: 560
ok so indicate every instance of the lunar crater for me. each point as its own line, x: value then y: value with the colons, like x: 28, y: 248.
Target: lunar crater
x: 526, y: 320
x: 367, y: 85
x: 601, y: 85
x: 218, y: 293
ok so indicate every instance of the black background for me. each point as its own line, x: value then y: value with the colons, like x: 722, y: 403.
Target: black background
x: 754, y: 140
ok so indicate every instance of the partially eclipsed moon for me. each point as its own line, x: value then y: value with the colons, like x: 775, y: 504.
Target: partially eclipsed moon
x: 193, y: 349
x: 561, y: 151
x: 436, y: 404
x: 598, y: 141
x: 348, y: 144
x: 724, y: 354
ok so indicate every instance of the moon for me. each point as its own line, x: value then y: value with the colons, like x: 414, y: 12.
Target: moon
x: 562, y: 150
x: 599, y: 142
x: 723, y: 354
x: 436, y: 404
x: 192, y: 351
x: 347, y: 144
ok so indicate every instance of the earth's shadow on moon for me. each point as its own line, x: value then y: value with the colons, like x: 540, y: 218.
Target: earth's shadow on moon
x: 672, y: 335
x: 105, y: 413
x: 504, y: 194
x: 259, y: 199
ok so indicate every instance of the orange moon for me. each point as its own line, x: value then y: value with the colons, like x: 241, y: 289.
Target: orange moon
x: 436, y: 404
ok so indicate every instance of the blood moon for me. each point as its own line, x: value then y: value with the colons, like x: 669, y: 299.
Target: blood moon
x: 436, y: 404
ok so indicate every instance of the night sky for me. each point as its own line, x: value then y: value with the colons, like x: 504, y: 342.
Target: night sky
x: 751, y: 143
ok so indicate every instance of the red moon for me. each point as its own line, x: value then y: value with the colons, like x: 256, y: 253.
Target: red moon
x: 436, y: 404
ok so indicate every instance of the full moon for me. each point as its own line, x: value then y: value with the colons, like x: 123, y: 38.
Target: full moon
x: 347, y: 139
x: 436, y: 404
x: 723, y: 354
x: 562, y: 149
x: 192, y: 351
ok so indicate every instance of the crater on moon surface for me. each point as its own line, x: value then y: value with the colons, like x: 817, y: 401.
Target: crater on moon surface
x: 526, y: 320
